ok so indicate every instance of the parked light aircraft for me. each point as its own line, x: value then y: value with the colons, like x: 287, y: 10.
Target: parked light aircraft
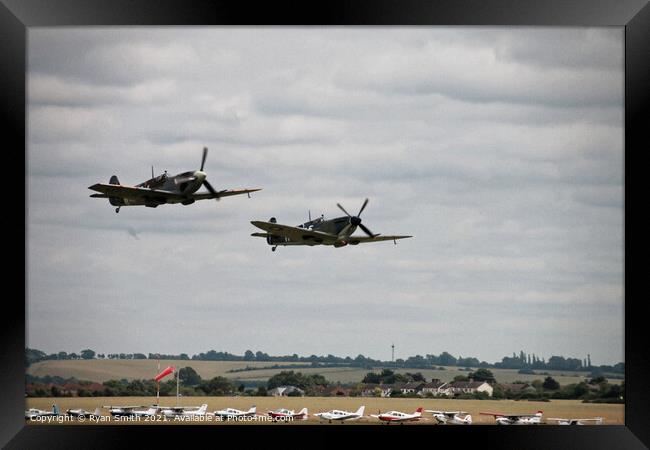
x: 284, y: 413
x: 336, y: 414
x: 595, y: 420
x: 398, y: 416
x: 33, y: 413
x: 83, y: 413
x: 184, y: 411
x: 336, y: 232
x: 516, y: 419
x: 234, y: 414
x: 132, y: 411
x: 163, y: 189
x: 451, y: 417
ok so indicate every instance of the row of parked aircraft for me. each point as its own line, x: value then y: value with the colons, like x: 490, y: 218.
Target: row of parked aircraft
x: 336, y: 415
x: 182, y: 188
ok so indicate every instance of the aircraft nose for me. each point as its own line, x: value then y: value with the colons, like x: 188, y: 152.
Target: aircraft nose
x: 355, y: 220
x: 200, y: 175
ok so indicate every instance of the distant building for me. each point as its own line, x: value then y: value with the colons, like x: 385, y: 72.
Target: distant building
x: 376, y: 390
x: 435, y: 387
x: 337, y: 391
x: 470, y: 387
x: 412, y: 387
x: 284, y: 391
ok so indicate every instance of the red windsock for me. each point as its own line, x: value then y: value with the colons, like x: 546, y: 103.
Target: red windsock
x: 164, y: 373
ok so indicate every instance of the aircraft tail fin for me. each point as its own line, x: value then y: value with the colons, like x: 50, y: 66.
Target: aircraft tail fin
x: 253, y: 409
x: 419, y: 410
x: 203, y: 408
x: 468, y: 419
x: 303, y: 411
x: 114, y: 180
x: 55, y: 409
x: 360, y: 411
x: 98, y: 412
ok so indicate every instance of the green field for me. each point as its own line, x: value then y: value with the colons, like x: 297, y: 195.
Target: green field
x: 102, y: 370
x: 612, y: 414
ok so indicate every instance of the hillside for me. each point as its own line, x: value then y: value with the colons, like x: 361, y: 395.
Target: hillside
x: 102, y: 370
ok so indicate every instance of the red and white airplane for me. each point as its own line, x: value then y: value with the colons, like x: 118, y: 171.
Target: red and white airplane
x: 398, y: 416
x: 516, y: 419
x: 289, y: 414
x: 596, y: 420
x: 451, y: 417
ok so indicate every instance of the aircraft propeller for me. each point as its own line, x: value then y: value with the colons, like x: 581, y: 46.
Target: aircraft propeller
x: 356, y: 220
x: 205, y: 183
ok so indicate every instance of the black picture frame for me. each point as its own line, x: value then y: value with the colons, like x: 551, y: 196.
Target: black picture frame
x: 18, y: 15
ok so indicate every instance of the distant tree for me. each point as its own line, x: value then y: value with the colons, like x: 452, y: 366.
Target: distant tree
x: 550, y: 384
x: 261, y: 391
x: 461, y: 378
x: 87, y: 354
x: 55, y: 391
x: 482, y: 375
x: 138, y: 356
x: 249, y: 356
x: 241, y: 388
x: 188, y: 376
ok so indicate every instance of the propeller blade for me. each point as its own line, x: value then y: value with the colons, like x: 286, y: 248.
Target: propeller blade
x: 343, y: 209
x: 366, y: 230
x: 205, y: 155
x: 363, y: 207
x: 209, y: 187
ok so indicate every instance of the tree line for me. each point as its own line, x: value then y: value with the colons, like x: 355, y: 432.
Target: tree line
x: 523, y: 361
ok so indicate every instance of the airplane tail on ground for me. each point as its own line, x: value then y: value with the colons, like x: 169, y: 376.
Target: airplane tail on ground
x: 253, y: 410
x: 303, y: 411
x: 360, y: 411
x: 203, y: 408
x: 98, y: 412
x: 55, y: 409
x: 419, y: 411
x: 114, y: 180
x: 468, y: 419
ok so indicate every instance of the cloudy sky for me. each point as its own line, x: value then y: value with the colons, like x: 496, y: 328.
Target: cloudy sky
x: 499, y: 149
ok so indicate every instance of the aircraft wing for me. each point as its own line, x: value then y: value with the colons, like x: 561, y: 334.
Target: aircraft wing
x: 224, y: 193
x: 117, y: 190
x: 294, y: 233
x: 362, y: 239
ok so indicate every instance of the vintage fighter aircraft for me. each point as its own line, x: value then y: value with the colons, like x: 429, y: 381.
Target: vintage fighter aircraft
x: 595, y: 420
x: 83, y: 413
x: 33, y: 413
x: 235, y: 414
x: 516, y: 419
x: 290, y: 414
x: 132, y: 411
x: 336, y: 232
x: 398, y: 416
x: 163, y: 189
x: 451, y: 417
x: 336, y: 414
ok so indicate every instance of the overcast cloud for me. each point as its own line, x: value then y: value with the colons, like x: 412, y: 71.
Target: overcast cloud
x: 499, y: 149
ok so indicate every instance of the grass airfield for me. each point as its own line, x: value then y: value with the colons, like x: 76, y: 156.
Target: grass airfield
x: 613, y: 414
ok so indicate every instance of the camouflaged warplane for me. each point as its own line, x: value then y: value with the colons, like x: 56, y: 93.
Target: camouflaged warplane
x: 163, y: 189
x: 336, y: 232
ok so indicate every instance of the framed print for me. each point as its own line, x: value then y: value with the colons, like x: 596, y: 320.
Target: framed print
x: 347, y: 213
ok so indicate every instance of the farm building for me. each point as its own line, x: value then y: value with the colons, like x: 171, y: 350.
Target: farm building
x: 470, y: 387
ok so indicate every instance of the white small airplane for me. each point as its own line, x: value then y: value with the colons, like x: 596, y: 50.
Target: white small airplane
x: 33, y: 413
x: 595, y: 420
x: 131, y: 411
x: 284, y: 413
x: 398, y: 416
x: 184, y: 411
x: 336, y: 414
x: 516, y: 419
x: 83, y: 413
x: 451, y: 417
x: 234, y: 414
